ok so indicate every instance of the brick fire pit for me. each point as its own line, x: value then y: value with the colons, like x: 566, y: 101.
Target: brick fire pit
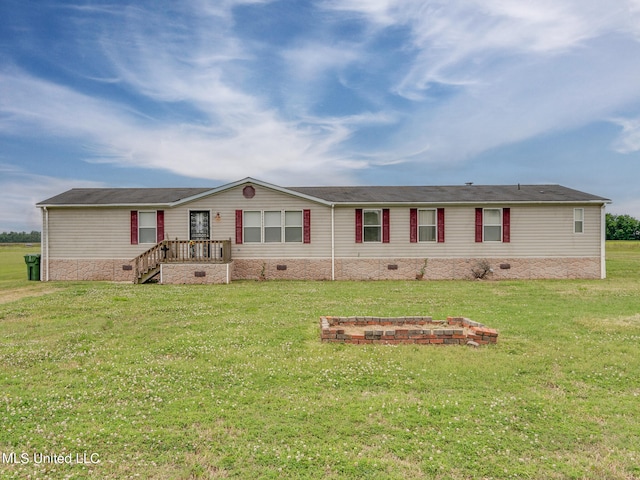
x: 396, y: 330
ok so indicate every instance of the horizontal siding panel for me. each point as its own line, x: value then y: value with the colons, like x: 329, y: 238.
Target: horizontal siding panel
x: 91, y: 233
x: 535, y: 231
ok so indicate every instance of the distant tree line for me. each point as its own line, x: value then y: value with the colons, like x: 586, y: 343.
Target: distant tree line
x: 622, y: 227
x: 20, y: 237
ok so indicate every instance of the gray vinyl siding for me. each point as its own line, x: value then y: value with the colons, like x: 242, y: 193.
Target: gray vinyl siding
x: 536, y: 231
x: 91, y: 233
x: 226, y: 203
x: 548, y: 231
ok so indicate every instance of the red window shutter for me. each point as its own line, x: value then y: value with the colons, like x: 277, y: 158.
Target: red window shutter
x: 160, y: 225
x: 134, y: 227
x: 478, y: 225
x: 238, y: 227
x: 385, y: 225
x: 413, y: 225
x: 441, y: 225
x: 306, y: 226
x: 358, y: 225
x: 506, y: 225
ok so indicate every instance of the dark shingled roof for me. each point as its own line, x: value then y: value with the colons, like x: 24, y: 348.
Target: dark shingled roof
x: 122, y: 196
x: 342, y: 195
x: 450, y: 194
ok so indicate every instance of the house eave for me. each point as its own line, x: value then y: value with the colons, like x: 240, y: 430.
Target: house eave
x: 104, y: 205
x: 327, y: 203
x: 468, y: 203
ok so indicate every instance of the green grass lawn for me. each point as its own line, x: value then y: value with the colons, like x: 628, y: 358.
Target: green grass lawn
x: 232, y: 381
x: 13, y: 269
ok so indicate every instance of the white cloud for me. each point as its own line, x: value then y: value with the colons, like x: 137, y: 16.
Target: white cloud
x: 629, y: 139
x: 195, y: 60
x: 551, y: 95
x: 311, y: 61
x: 247, y: 140
x: 190, y: 60
x: 513, y: 70
x: 454, y: 40
x: 377, y: 11
x: 22, y: 190
x: 53, y: 109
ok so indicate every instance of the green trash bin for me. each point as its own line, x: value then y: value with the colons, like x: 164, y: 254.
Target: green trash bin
x: 33, y: 266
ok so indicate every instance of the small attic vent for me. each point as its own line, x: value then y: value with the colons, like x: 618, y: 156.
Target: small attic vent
x: 248, y: 192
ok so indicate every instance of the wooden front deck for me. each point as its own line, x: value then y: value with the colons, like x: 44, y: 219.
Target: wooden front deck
x: 147, y: 264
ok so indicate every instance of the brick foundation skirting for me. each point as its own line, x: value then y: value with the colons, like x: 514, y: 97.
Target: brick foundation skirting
x: 345, y: 269
x: 463, y: 268
x: 196, y: 273
x: 415, y: 268
x: 114, y: 270
x: 281, y: 269
x: 397, y: 330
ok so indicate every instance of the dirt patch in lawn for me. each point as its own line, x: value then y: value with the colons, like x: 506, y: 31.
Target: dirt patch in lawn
x: 14, y: 294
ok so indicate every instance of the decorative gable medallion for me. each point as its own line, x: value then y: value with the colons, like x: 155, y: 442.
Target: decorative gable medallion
x: 248, y: 192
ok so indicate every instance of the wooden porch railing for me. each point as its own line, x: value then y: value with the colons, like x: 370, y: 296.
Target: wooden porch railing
x: 182, y: 251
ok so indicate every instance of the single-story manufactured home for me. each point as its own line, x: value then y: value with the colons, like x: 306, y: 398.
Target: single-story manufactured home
x: 252, y: 229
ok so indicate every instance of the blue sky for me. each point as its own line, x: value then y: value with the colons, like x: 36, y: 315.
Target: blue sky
x: 327, y: 92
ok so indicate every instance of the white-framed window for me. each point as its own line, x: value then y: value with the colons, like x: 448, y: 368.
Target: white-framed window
x: 267, y: 226
x: 272, y: 226
x: 372, y: 225
x: 147, y: 227
x: 578, y: 220
x: 293, y: 226
x: 492, y: 225
x: 252, y: 226
x: 427, y: 225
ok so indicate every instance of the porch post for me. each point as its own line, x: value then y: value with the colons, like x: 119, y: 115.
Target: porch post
x: 603, y: 242
x: 333, y: 244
